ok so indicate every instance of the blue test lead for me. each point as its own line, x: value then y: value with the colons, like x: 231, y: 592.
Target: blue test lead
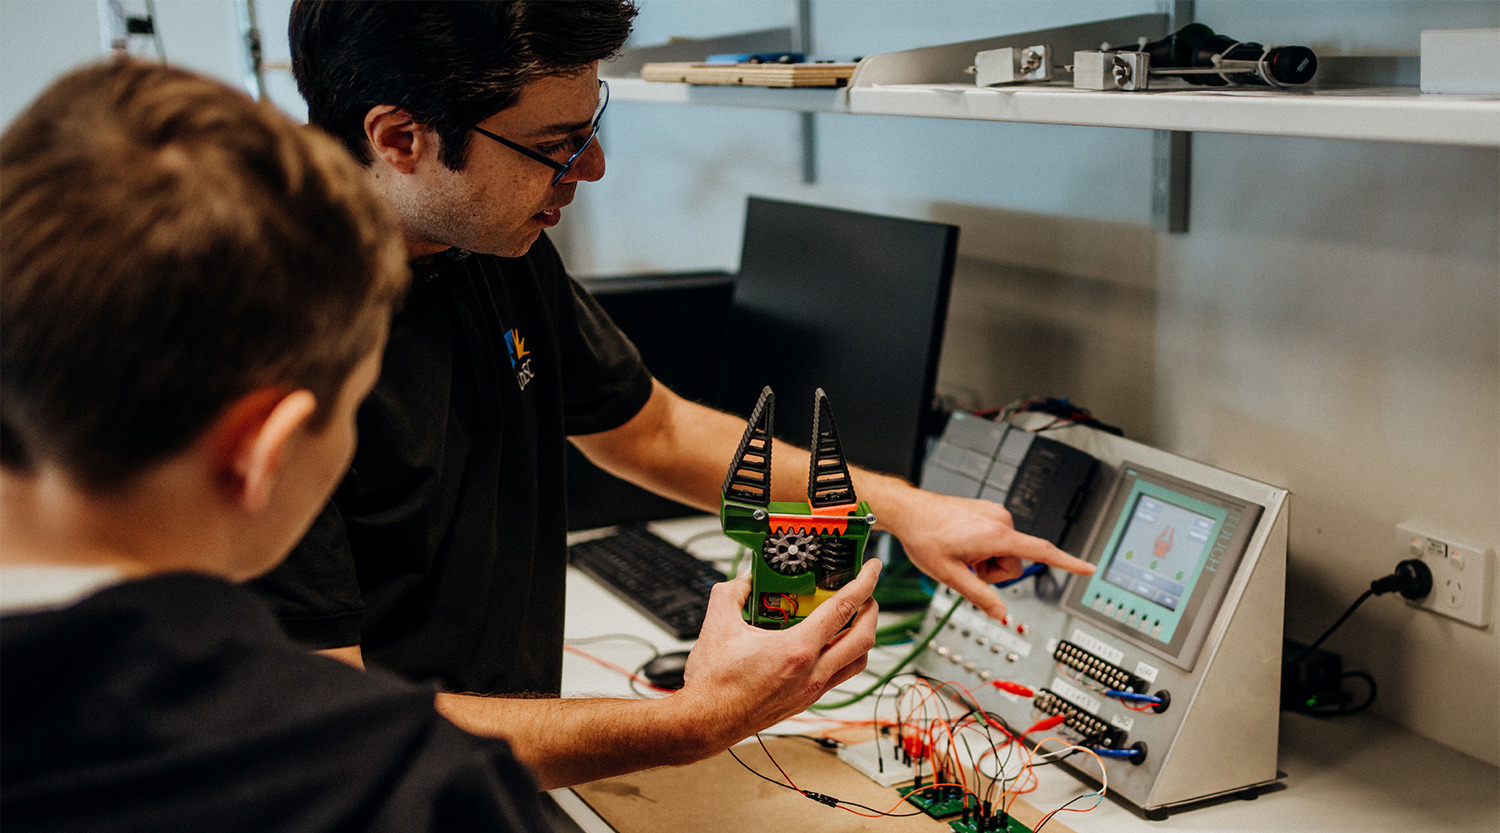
x: 1027, y: 573
x: 1134, y: 697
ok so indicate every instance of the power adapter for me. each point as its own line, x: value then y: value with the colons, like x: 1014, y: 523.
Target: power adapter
x: 1311, y: 680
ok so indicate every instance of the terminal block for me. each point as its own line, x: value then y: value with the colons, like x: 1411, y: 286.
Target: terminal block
x: 1092, y: 665
x: 1095, y: 730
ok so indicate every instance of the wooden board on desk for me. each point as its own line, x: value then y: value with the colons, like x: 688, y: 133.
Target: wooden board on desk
x: 751, y: 75
x: 720, y: 796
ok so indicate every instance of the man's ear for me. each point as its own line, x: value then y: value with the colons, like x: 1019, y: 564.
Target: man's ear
x: 396, y: 138
x: 252, y: 439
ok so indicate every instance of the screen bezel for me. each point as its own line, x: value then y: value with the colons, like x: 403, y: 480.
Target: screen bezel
x: 1199, y: 610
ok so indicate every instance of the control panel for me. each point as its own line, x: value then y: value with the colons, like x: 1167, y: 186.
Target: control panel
x: 1166, y: 660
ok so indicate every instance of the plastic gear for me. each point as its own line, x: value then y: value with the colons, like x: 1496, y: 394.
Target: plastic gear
x: 791, y: 552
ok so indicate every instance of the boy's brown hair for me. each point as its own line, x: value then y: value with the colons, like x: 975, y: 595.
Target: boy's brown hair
x: 170, y: 246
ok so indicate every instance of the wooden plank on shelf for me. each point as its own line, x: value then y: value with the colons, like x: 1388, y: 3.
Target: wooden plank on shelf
x: 751, y: 75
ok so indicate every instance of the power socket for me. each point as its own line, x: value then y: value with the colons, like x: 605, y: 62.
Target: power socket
x: 1463, y: 575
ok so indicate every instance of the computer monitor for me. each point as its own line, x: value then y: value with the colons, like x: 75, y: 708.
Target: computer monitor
x: 853, y: 303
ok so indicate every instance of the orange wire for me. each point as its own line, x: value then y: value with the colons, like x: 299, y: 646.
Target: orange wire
x: 925, y: 788
x: 611, y: 666
x: 1103, y: 784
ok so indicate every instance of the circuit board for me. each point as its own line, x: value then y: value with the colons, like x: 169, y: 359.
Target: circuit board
x: 940, y: 803
x: 1011, y: 826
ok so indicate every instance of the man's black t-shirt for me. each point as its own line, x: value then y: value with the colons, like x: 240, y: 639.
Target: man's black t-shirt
x: 443, y: 552
x: 176, y: 703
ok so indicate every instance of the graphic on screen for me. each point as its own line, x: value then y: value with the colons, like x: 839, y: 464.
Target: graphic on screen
x: 1161, y: 546
x: 1157, y: 556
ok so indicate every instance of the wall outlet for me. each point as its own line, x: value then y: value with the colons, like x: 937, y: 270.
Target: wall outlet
x: 1463, y: 575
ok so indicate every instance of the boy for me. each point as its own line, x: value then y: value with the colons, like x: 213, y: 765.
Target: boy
x: 194, y: 296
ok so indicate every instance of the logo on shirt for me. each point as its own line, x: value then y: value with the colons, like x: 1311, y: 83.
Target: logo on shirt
x: 520, y: 357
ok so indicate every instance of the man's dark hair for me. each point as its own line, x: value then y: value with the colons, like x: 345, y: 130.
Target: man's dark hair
x: 449, y: 63
x: 171, y: 246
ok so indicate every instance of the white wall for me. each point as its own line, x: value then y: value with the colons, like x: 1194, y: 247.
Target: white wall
x: 1330, y: 323
x: 38, y: 40
x: 41, y: 39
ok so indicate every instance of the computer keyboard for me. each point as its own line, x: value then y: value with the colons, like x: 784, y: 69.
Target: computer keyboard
x: 660, y: 579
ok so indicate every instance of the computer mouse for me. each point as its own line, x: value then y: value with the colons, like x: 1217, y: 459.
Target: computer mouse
x: 666, y: 670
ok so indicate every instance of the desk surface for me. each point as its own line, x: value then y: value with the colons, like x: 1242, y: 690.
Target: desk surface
x: 1348, y: 775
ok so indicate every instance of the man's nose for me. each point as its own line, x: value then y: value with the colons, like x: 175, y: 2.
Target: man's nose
x: 589, y: 166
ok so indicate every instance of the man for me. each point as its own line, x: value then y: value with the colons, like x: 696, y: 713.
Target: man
x: 194, y: 295
x: 443, y: 554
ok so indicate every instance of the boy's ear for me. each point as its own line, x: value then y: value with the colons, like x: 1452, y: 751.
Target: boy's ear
x: 396, y: 139
x: 253, y: 435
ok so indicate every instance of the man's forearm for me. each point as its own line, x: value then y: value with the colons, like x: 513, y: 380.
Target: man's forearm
x: 571, y: 741
x: 738, y: 680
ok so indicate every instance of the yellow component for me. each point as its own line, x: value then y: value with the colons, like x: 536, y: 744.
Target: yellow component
x: 807, y: 603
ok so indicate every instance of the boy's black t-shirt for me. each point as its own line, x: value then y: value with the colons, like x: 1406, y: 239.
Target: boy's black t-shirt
x: 176, y: 703
x: 443, y: 553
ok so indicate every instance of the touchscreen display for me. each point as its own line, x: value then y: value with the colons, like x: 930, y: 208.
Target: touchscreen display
x: 1160, y: 542
x: 1158, y: 555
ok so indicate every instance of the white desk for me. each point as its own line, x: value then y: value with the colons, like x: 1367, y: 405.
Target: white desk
x: 1347, y: 775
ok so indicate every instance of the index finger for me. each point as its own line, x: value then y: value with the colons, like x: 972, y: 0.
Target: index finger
x: 976, y: 591
x: 1042, y: 551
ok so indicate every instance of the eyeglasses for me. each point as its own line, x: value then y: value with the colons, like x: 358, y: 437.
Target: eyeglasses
x: 562, y: 168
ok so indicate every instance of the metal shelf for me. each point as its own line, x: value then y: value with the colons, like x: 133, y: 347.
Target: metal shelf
x: 1388, y: 115
x: 930, y: 83
x: 1384, y: 115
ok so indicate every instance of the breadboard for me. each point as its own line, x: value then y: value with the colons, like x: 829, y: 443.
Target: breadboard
x: 751, y: 75
x: 877, y: 763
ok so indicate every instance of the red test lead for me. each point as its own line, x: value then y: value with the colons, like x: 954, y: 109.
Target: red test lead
x: 1050, y: 723
x: 1013, y: 688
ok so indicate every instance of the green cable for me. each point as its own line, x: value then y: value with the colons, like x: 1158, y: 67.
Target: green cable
x: 891, y: 674
x: 899, y: 631
x: 897, y: 593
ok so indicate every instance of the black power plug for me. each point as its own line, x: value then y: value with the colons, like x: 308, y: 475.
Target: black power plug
x: 1412, y: 579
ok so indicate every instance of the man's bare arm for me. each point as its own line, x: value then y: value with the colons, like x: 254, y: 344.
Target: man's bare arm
x: 681, y: 450
x: 739, y: 680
